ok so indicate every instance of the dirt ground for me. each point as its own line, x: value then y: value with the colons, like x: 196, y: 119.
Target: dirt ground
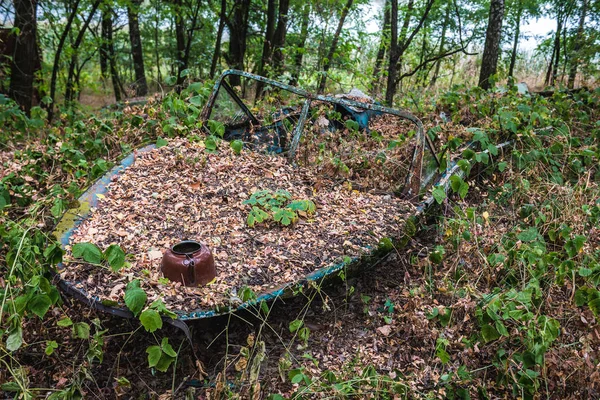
x: 385, y: 323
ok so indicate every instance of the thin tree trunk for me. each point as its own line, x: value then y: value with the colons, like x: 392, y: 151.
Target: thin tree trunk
x: 438, y: 64
x: 576, y: 56
x: 78, y: 72
x: 453, y: 71
x: 394, y: 54
x: 383, y: 44
x: 104, y: 45
x: 491, y: 50
x: 217, y: 52
x: 55, y: 66
x: 238, y: 27
x: 421, y: 77
x: 398, y: 46
x: 301, y: 44
x: 70, y: 90
x: 107, y: 41
x: 565, y: 53
x: 403, y: 41
x: 267, y: 46
x: 141, y: 86
x: 550, y: 65
x: 513, y: 56
x: 156, y: 41
x: 557, y: 45
x: 188, y: 46
x: 332, y: 48
x: 279, y: 37
x: 25, y: 54
x: 179, y: 37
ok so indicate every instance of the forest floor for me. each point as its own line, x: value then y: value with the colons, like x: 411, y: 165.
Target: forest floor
x: 496, y: 297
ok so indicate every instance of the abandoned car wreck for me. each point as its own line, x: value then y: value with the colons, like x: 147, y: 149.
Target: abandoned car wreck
x: 292, y: 193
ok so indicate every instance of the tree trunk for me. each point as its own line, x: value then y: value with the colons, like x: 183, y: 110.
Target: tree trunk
x: 438, y: 64
x: 25, y: 54
x: 550, y: 65
x: 403, y: 41
x: 279, y: 37
x: 141, y: 86
x: 557, y: 45
x: 399, y: 44
x: 491, y: 50
x: 78, y: 72
x: 109, y: 49
x: 267, y: 46
x: 513, y: 56
x: 157, y: 41
x: 383, y: 44
x: 332, y: 48
x: 104, y: 44
x: 188, y: 46
x: 394, y: 54
x: 238, y: 27
x: 70, y: 89
x: 179, y: 37
x: 577, y: 45
x: 565, y: 53
x: 301, y: 44
x: 217, y: 52
x: 420, y: 78
x: 55, y: 66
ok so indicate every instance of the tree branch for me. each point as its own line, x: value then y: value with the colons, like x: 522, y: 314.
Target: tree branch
x: 408, y: 41
x: 433, y: 59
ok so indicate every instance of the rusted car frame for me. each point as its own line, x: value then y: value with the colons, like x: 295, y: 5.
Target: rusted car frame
x: 414, y: 180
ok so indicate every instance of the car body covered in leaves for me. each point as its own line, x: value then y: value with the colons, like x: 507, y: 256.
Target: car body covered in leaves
x: 308, y: 188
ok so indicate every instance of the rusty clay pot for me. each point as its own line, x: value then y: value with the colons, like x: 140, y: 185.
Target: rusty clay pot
x: 189, y: 262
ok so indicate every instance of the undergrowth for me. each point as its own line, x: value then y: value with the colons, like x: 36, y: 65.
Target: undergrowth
x: 501, y: 300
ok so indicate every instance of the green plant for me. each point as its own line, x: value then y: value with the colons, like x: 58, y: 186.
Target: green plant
x: 161, y: 356
x: 114, y: 256
x: 272, y: 205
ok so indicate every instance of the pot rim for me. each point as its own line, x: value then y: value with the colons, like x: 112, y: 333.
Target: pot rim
x: 186, y: 242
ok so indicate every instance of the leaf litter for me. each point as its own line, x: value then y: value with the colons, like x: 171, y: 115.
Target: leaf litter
x: 183, y: 191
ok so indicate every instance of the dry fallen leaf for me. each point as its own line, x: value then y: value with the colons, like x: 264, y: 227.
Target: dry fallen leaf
x: 154, y: 255
x: 385, y: 330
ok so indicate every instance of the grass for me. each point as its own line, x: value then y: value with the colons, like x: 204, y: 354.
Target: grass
x: 496, y: 297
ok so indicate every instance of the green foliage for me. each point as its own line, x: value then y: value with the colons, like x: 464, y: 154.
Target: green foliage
x: 114, y: 256
x: 277, y: 206
x: 161, y: 356
x: 151, y: 317
x: 151, y: 320
x: 135, y: 297
x: 437, y: 255
x: 237, y: 146
x: 160, y: 142
x: 88, y: 251
x: 439, y: 194
x: 459, y: 186
x: 81, y: 330
x: 256, y: 215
